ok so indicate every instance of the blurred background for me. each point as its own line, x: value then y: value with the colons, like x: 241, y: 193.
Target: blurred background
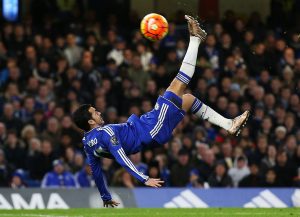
x: 55, y: 55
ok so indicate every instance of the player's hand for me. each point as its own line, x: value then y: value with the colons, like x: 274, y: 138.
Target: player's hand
x: 155, y: 183
x: 111, y: 203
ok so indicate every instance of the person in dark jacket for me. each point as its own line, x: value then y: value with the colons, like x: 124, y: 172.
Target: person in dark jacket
x: 253, y: 179
x: 220, y: 177
x: 271, y: 179
x: 181, y: 170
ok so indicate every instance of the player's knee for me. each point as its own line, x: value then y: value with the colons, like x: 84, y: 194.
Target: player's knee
x: 187, y: 101
x: 188, y: 97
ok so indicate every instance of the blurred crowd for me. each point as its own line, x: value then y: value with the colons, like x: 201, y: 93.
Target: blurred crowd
x: 46, y: 72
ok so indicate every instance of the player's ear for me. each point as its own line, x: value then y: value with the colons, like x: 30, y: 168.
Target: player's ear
x: 91, y: 122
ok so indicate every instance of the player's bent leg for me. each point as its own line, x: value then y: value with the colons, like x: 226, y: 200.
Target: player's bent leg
x: 198, y: 108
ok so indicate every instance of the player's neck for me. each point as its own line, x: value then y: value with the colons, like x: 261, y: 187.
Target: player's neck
x: 93, y: 127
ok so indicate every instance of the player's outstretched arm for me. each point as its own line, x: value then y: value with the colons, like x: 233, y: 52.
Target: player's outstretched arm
x: 99, y: 180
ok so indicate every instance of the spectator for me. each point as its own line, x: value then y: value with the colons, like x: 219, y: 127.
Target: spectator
x: 220, y: 178
x: 15, y: 151
x: 52, y: 132
x: 239, y: 171
x: 47, y: 156
x: 181, y: 169
x: 58, y: 178
x: 33, y: 155
x: 280, y: 134
x: 2, y: 133
x: 5, y: 170
x: 123, y: 179
x: 195, y: 180
x: 163, y: 168
x: 137, y: 74
x: 38, y: 121
x: 78, y: 162
x: 253, y: 179
x: 227, y: 153
x: 146, y: 56
x: 206, y: 166
x: 285, y: 169
x: 153, y: 170
x: 11, y: 122
x: 271, y: 179
x: 117, y: 52
x: 269, y: 161
x: 136, y: 160
x: 17, y: 180
x: 72, y: 51
x: 84, y: 177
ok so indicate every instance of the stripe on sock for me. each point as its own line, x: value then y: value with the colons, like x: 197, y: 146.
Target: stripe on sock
x: 183, y: 77
x: 196, y: 105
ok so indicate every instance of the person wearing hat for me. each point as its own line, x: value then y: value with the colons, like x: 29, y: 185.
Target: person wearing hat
x: 280, y: 134
x: 195, y: 180
x: 58, y: 178
x: 17, y: 180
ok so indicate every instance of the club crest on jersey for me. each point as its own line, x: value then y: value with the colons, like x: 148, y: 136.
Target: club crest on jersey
x: 114, y: 140
x: 156, y: 107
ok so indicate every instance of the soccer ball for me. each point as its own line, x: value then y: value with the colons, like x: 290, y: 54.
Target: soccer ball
x: 154, y: 27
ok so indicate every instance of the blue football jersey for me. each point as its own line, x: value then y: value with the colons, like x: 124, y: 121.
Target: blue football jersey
x: 115, y: 141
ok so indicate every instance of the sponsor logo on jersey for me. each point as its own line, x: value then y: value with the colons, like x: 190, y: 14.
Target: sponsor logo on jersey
x: 92, y: 142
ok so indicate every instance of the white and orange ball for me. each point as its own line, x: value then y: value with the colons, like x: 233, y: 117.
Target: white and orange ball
x: 154, y: 27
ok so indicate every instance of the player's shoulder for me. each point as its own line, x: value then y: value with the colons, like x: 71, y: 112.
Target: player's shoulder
x: 108, y: 129
x: 98, y: 136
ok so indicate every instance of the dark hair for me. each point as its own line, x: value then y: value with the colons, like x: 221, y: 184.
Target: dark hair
x: 81, y: 117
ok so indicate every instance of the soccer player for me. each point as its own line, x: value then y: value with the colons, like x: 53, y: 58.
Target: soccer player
x: 153, y: 128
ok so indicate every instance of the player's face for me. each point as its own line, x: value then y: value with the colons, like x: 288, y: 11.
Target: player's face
x: 96, y: 116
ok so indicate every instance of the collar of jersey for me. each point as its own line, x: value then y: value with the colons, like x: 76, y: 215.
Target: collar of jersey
x: 91, y: 130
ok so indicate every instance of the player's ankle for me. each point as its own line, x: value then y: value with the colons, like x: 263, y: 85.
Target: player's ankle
x: 195, y: 40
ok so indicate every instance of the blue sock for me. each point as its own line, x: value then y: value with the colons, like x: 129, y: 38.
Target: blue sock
x: 197, y: 104
x: 181, y: 76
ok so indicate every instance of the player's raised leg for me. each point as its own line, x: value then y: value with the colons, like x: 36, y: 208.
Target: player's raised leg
x: 187, y: 68
x: 198, y: 108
